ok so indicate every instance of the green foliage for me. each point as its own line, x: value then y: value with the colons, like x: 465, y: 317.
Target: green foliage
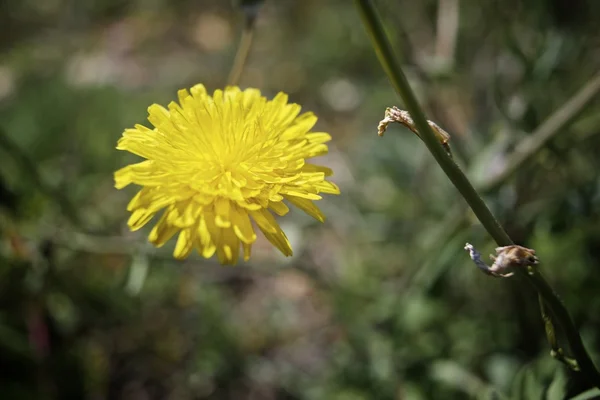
x: 380, y: 302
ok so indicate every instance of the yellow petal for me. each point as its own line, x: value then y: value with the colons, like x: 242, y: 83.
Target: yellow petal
x: 280, y: 241
x: 288, y: 114
x: 150, y: 199
x: 206, y: 234
x: 222, y: 210
x: 318, y: 137
x: 242, y: 225
x: 301, y: 125
x: 231, y: 92
x: 198, y: 91
x: 139, y: 218
x: 206, y: 251
x: 184, y: 214
x: 228, y: 252
x: 315, y: 150
x: 279, y: 207
x: 327, y: 187
x: 162, y: 232
x: 250, y: 96
x: 247, y: 251
x: 265, y: 221
x: 307, y: 206
x: 185, y: 244
x: 182, y: 95
x: 299, y: 193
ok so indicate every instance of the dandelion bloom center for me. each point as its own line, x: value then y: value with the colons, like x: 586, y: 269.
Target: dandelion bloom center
x: 215, y: 163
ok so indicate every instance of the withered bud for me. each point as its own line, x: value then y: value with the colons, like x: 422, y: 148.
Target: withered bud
x: 394, y: 114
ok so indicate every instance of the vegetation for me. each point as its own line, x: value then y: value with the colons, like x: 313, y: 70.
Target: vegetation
x: 379, y: 302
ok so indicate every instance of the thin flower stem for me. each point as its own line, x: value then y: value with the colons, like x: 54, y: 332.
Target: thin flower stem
x: 400, y: 83
x: 525, y: 150
x: 390, y: 63
x: 241, y: 55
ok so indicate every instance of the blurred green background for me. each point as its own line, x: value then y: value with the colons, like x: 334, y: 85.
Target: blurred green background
x: 381, y: 301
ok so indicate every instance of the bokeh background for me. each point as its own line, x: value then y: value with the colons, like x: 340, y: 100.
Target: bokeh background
x: 381, y: 301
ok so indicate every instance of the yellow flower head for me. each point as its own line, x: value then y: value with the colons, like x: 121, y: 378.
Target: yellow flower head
x: 213, y: 163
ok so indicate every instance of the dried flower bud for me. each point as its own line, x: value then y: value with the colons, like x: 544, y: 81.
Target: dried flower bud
x: 394, y: 114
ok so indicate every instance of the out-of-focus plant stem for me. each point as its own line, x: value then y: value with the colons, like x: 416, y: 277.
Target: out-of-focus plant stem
x: 392, y: 67
x: 240, y: 57
x: 250, y: 9
x: 30, y: 168
x: 554, y: 124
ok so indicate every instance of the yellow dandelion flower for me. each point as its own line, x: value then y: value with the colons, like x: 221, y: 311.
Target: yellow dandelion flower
x: 216, y: 163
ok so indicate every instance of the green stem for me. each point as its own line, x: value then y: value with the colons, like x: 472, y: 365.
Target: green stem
x: 400, y: 83
x: 392, y: 67
x: 243, y: 50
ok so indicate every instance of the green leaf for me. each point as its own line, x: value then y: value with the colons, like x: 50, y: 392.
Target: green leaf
x: 558, y: 387
x: 588, y: 395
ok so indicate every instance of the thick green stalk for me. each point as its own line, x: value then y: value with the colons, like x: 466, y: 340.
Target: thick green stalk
x: 392, y: 67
